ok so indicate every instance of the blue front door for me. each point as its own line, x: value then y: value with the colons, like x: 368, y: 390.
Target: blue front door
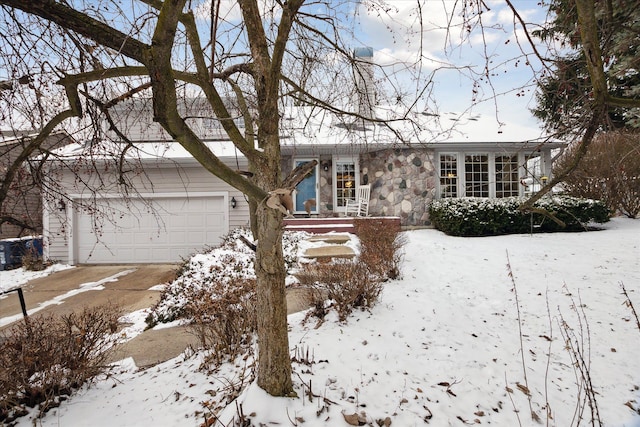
x: 307, y: 189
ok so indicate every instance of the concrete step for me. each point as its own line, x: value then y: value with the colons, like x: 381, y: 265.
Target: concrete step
x: 337, y: 239
x: 327, y: 252
x: 319, y: 225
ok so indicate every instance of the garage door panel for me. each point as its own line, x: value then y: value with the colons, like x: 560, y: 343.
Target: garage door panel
x: 178, y: 228
x: 215, y: 219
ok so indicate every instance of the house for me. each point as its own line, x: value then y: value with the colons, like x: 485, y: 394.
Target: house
x: 160, y: 205
x: 409, y: 160
x: 170, y: 207
x: 449, y: 155
x: 22, y: 207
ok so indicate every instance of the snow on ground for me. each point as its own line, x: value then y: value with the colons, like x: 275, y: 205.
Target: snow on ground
x: 442, y: 347
x: 11, y: 279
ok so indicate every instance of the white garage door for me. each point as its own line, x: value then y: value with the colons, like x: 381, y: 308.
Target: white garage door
x: 162, y: 229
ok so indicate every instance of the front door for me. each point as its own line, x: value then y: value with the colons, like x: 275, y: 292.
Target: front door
x: 306, y: 191
x: 345, y: 181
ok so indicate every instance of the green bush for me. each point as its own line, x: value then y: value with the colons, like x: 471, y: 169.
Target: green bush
x: 490, y: 217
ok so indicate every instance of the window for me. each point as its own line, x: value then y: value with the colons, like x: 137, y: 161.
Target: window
x: 345, y: 182
x: 507, y: 182
x: 476, y: 175
x: 448, y: 175
x: 481, y: 174
x: 532, y: 175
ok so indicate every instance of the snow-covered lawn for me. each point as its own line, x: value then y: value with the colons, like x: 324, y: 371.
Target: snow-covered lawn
x: 442, y: 347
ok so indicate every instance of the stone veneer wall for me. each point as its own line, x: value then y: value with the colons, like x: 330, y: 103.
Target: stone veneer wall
x: 403, y: 182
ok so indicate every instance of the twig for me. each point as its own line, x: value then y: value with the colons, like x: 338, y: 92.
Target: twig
x: 509, y: 392
x: 629, y: 304
x: 534, y: 416
x: 576, y: 347
x: 546, y: 371
x: 247, y: 242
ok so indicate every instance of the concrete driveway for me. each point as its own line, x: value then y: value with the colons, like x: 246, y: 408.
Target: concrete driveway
x: 75, y: 288
x: 128, y: 286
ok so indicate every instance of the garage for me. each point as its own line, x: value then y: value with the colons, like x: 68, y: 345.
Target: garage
x: 150, y: 230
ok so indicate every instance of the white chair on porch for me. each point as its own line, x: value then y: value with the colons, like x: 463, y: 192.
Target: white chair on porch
x: 359, y: 206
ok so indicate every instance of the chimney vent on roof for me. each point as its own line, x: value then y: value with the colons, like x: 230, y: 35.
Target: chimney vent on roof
x: 363, y: 71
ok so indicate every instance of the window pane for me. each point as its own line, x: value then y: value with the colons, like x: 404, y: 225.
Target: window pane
x: 345, y: 182
x: 507, y: 176
x: 448, y: 175
x: 476, y: 175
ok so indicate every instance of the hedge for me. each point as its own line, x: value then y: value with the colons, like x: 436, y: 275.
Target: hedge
x: 490, y: 217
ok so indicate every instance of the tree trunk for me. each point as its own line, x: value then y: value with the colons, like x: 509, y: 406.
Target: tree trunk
x: 274, y: 362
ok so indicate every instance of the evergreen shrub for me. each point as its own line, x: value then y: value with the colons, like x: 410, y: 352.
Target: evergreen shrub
x: 490, y: 217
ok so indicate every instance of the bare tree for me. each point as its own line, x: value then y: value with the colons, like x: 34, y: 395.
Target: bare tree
x: 269, y: 55
x: 102, y: 53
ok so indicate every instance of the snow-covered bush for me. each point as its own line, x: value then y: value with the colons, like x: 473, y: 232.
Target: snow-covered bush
x: 224, y: 318
x: 346, y: 284
x: 215, y: 272
x: 488, y: 217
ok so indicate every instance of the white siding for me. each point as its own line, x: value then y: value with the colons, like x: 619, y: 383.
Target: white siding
x: 166, y: 178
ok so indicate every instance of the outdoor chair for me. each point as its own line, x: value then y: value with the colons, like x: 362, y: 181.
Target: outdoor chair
x: 359, y: 206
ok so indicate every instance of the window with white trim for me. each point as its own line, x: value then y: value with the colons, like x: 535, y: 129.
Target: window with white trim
x: 507, y: 181
x: 479, y: 174
x: 448, y: 175
x: 476, y: 175
x: 345, y: 182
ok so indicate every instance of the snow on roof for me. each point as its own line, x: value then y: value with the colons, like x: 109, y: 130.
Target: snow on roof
x: 315, y: 130
x: 309, y: 130
x: 144, y: 150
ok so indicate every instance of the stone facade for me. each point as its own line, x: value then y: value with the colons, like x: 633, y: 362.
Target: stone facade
x: 402, y: 183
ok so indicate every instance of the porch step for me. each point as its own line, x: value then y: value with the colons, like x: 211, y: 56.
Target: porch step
x: 337, y: 224
x: 337, y: 239
x: 319, y: 225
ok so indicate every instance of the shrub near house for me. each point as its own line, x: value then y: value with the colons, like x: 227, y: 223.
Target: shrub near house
x: 609, y: 171
x: 489, y: 217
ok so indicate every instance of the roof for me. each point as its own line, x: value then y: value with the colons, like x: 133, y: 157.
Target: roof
x: 311, y: 131
x: 145, y: 150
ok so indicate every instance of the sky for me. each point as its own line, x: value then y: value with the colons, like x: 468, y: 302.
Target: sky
x: 458, y: 57
x: 414, y: 45
x: 454, y: 341
x: 413, y: 49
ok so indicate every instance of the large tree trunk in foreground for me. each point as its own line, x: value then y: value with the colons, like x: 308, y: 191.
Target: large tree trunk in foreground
x: 274, y: 363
